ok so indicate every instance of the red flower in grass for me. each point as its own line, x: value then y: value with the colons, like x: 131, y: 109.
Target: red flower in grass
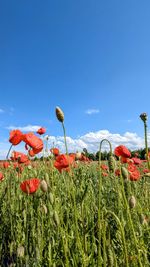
x: 34, y: 142
x: 41, y: 130
x: 20, y: 157
x: 6, y: 164
x: 135, y: 175
x: 1, y: 176
x: 122, y: 151
x: 30, y: 186
x: 145, y: 170
x: 136, y: 161
x: 105, y: 174
x: 63, y: 162
x: 31, y: 153
x: 134, y: 172
x: 54, y: 151
x: 104, y: 167
x: 117, y: 172
x: 15, y: 137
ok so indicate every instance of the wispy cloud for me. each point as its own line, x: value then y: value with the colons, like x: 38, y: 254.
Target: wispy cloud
x: 92, y: 111
x: 28, y: 128
x: 1, y: 110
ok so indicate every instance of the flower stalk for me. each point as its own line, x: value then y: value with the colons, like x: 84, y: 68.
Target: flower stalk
x: 144, y: 118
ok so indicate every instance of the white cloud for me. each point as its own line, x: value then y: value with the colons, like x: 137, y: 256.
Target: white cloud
x: 92, y: 111
x: 28, y: 128
x: 90, y: 141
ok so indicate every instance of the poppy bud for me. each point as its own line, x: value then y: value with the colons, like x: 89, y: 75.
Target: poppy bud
x: 78, y: 155
x: 111, y: 163
x: 51, y: 197
x: 143, y: 219
x: 20, y: 251
x: 144, y: 117
x: 43, y: 186
x: 124, y: 173
x: 132, y: 202
x: 147, y: 174
x: 44, y: 209
x: 56, y: 218
x: 59, y: 114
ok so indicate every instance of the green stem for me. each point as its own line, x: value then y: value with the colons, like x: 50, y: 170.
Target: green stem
x: 146, y: 145
x: 99, y: 200
x: 9, y: 151
x: 122, y: 234
x: 64, y: 130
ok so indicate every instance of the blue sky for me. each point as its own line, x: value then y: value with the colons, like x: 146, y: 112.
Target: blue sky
x: 90, y: 57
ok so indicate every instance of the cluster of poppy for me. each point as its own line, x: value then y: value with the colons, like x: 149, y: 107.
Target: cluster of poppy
x: 31, y: 140
x: 125, y: 155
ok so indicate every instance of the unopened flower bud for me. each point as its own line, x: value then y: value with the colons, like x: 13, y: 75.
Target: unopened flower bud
x: 111, y: 163
x: 43, y: 186
x: 124, y: 173
x: 78, y: 155
x: 56, y: 218
x: 132, y: 202
x: 51, y: 197
x: 59, y: 114
x: 144, y: 117
x: 20, y: 251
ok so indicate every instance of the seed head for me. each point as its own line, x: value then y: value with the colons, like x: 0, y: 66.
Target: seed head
x: 144, y: 117
x: 59, y: 114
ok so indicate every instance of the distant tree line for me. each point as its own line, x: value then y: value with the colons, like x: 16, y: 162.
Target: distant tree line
x: 140, y: 153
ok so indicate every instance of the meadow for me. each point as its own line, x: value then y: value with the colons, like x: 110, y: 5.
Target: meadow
x: 66, y: 210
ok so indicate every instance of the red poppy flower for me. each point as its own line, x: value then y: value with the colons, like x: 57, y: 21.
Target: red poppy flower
x: 105, y: 174
x: 20, y: 157
x: 55, y: 151
x: 63, y: 162
x: 104, y: 167
x: 135, y: 175
x: 122, y: 151
x: 134, y: 172
x: 31, y: 153
x: 131, y: 167
x: 6, y: 164
x: 136, y: 161
x: 30, y: 186
x: 41, y: 131
x: 145, y: 170
x: 84, y: 158
x: 15, y: 137
x: 1, y: 176
x: 34, y: 142
x: 117, y: 172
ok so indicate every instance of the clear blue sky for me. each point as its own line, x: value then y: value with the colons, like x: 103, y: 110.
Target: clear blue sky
x: 79, y: 55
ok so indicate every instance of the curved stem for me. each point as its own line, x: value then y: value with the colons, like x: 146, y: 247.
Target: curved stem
x: 9, y: 151
x: 100, y: 147
x: 146, y: 145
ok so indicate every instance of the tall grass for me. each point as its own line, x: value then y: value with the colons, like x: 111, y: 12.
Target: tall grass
x: 84, y: 219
